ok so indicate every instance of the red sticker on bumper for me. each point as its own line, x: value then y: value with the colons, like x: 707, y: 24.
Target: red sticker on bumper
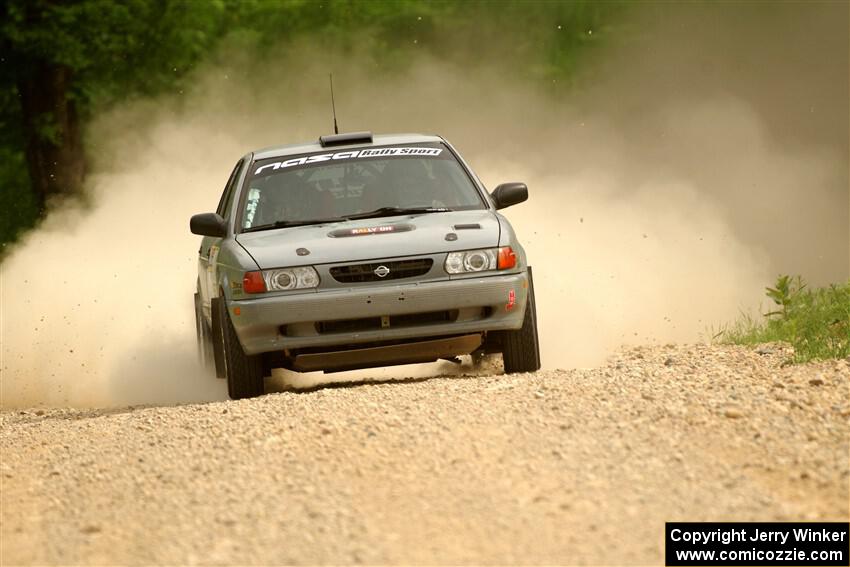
x: 511, y: 300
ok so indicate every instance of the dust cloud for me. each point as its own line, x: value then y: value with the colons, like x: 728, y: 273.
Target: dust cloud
x: 666, y: 190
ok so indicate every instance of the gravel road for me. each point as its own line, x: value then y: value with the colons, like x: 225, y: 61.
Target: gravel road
x: 577, y: 466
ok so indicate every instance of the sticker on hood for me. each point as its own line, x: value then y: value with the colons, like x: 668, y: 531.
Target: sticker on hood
x: 364, y: 231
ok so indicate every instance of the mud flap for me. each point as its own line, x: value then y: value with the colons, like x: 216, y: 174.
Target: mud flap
x: 217, y: 337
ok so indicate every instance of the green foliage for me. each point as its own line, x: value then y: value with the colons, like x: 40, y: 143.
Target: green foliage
x: 18, y: 207
x: 785, y: 294
x: 120, y: 49
x: 112, y: 48
x: 816, y: 322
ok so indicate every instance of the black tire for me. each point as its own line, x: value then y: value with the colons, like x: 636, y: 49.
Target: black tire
x: 521, y: 348
x: 244, y: 372
x: 204, y: 335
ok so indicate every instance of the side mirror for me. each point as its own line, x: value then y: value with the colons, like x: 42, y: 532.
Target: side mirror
x: 208, y: 224
x: 508, y: 194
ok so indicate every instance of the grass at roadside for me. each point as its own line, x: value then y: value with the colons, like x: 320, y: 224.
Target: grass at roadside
x: 816, y: 322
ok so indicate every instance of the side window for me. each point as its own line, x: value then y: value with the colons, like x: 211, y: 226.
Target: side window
x: 229, y: 190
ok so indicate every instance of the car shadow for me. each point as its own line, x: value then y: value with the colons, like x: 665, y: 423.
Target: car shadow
x: 294, y: 382
x: 272, y: 387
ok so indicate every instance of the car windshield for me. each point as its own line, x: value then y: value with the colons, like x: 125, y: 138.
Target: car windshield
x: 338, y: 184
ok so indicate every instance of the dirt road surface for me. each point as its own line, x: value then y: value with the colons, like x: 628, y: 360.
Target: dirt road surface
x: 577, y: 467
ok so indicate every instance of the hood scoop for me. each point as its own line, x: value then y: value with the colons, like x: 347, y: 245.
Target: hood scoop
x: 367, y: 230
x: 467, y: 226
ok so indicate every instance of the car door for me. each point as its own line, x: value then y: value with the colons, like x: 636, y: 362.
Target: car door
x: 210, y: 246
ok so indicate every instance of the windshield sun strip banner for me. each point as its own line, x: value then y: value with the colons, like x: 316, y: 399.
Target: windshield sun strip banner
x: 418, y: 151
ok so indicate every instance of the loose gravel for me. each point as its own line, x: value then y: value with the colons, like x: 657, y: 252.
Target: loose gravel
x: 558, y: 467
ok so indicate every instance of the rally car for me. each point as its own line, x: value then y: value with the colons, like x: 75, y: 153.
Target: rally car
x: 359, y: 251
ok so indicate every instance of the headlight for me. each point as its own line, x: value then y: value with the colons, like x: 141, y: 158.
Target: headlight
x: 291, y: 278
x: 471, y: 261
x: 478, y: 261
x: 282, y: 279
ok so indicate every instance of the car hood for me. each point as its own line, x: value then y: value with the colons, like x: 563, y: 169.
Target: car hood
x: 366, y: 239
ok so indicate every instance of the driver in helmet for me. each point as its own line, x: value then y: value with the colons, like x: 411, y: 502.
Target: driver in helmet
x: 402, y: 183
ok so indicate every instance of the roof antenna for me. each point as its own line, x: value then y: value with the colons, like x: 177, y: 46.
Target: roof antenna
x: 331, y: 76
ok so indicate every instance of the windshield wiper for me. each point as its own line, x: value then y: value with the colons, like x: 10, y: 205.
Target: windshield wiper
x: 289, y: 223
x: 382, y: 212
x: 393, y: 211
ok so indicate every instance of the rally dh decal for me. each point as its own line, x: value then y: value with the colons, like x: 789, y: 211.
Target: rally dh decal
x: 364, y: 231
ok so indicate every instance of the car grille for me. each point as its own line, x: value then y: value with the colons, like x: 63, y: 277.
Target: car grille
x: 393, y: 321
x: 399, y: 269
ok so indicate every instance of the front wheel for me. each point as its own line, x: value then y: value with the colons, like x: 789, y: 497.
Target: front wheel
x: 244, y: 373
x: 521, y: 348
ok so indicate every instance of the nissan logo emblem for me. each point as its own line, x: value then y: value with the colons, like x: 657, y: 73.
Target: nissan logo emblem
x: 382, y: 271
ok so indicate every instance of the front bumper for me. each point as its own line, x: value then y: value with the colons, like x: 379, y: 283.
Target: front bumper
x: 480, y: 304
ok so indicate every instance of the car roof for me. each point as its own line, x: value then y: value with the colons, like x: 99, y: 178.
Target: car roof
x: 377, y: 140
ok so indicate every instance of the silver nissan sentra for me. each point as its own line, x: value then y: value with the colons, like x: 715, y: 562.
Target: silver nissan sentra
x: 360, y: 251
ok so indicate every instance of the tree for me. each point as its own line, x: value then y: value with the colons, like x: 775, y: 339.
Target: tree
x: 62, y: 57
x: 62, y: 60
